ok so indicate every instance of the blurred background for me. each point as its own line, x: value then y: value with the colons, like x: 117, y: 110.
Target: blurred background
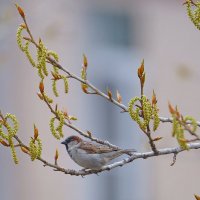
x: 115, y: 35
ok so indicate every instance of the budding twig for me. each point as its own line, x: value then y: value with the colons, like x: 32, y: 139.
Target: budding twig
x: 123, y: 162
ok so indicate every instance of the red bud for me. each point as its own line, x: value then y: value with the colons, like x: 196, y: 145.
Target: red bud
x: 171, y: 109
x: 20, y: 10
x: 35, y: 132
x: 4, y: 143
x: 41, y: 87
x: 119, y: 97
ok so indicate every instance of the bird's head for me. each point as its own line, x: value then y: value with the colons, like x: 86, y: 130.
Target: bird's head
x: 71, y: 141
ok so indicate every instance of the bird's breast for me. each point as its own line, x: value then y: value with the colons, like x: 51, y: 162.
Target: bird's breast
x: 90, y: 161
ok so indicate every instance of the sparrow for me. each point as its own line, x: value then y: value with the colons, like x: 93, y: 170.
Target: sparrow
x: 91, y: 155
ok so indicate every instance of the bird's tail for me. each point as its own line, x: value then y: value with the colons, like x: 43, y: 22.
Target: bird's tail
x: 129, y: 151
x: 118, y: 153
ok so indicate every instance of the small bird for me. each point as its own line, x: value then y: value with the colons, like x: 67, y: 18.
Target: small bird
x: 91, y: 155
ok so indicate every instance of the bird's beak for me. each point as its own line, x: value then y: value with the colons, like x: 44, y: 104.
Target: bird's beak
x: 63, y: 142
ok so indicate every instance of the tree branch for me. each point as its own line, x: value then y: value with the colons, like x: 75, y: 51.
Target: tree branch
x: 135, y: 156
x: 154, y: 152
x: 102, y: 94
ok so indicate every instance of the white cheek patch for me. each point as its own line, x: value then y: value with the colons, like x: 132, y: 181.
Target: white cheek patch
x: 73, y: 145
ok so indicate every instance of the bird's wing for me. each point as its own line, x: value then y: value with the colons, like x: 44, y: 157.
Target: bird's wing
x: 93, y: 148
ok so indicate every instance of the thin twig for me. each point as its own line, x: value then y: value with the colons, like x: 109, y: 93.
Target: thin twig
x: 77, y: 129
x: 174, y: 159
x: 187, y: 128
x: 151, y: 142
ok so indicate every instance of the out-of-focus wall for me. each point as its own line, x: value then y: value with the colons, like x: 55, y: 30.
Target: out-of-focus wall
x: 115, y: 35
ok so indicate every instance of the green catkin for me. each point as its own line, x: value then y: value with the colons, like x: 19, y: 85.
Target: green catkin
x: 149, y: 113
x: 40, y: 73
x: 53, y: 130
x: 54, y: 88
x: 19, y: 37
x: 28, y: 55
x: 39, y: 149
x: 180, y: 137
x: 194, y: 15
x: 58, y: 131
x: 61, y: 123
x: 13, y: 152
x: 156, y: 120
x: 49, y: 100
x: 135, y: 114
x: 66, y: 85
x: 175, y: 125
x: 147, y: 109
x: 2, y: 134
x: 35, y: 148
x: 32, y: 149
x: 44, y: 68
x: 56, y: 70
x: 15, y: 123
x: 178, y: 132
x: 192, y: 121
x: 41, y: 57
x: 11, y: 132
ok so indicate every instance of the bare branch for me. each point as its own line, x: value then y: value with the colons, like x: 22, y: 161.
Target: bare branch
x: 121, y: 163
